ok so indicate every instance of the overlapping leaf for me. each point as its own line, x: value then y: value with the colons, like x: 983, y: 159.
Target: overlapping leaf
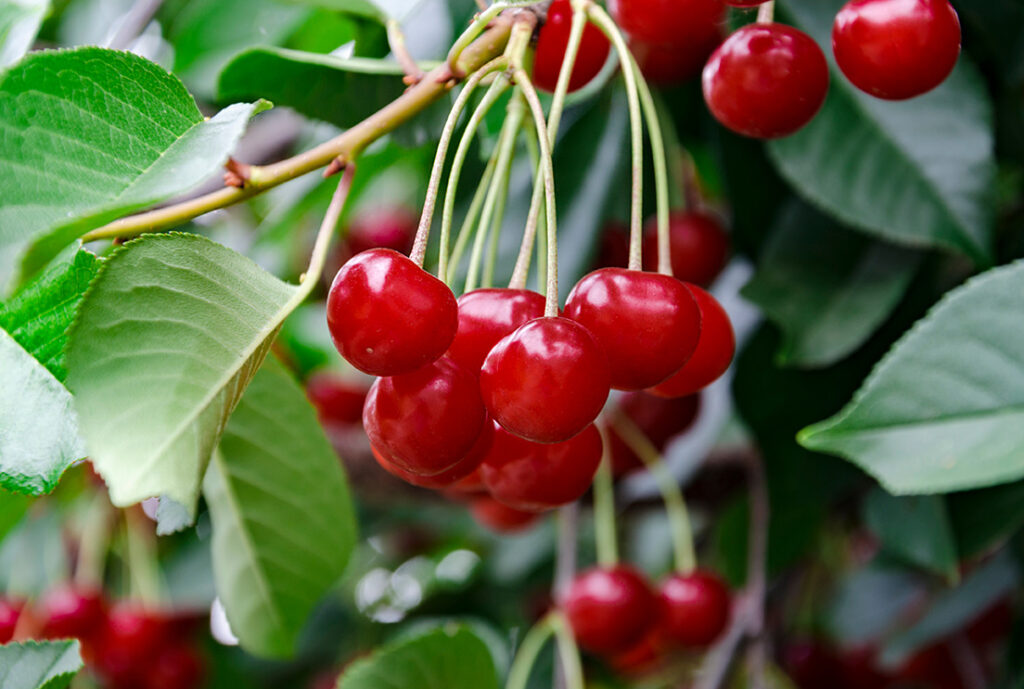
x: 39, y: 665
x: 19, y: 23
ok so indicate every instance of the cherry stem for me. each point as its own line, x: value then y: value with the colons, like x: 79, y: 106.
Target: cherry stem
x: 552, y: 624
x: 766, y: 13
x: 671, y: 495
x: 448, y: 209
x: 661, y: 184
x: 93, y: 544
x: 480, y: 22
x: 396, y: 41
x: 144, y: 572
x: 419, y: 248
x: 568, y: 651
x: 318, y: 257
x: 472, y: 214
x: 604, y: 507
x: 629, y: 74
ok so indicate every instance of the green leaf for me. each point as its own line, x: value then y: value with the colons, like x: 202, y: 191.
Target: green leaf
x: 828, y: 288
x: 12, y: 509
x: 918, y: 172
x: 38, y: 432
x: 363, y: 8
x: 39, y: 315
x: 39, y: 665
x: 92, y: 134
x: 283, y: 524
x: 913, y: 529
x: 172, y: 330
x: 34, y: 556
x: 943, y: 410
x: 448, y: 658
x: 19, y: 24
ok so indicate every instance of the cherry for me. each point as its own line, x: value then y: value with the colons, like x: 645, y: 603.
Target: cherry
x: 552, y: 41
x: 10, y: 611
x: 336, y: 400
x: 675, y: 22
x: 695, y: 609
x: 446, y: 479
x: 176, y: 666
x: 425, y: 421
x: 766, y: 80
x: 811, y: 665
x: 387, y: 315
x: 641, y: 659
x: 713, y: 354
x: 486, y: 316
x: 660, y: 419
x: 547, y: 381
x: 499, y: 517
x: 699, y: 246
x: 536, y: 476
x: 896, y: 49
x: 610, y: 609
x: 387, y: 227
x: 130, y: 640
x: 745, y: 3
x: 72, y: 613
x: 648, y: 324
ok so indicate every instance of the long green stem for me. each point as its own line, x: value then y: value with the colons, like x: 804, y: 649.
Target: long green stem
x: 144, y: 572
x: 93, y: 544
x: 478, y: 25
x: 605, y: 23
x: 604, y: 507
x: 568, y: 652
x: 766, y: 12
x: 675, y: 506
x: 318, y: 257
x: 661, y: 185
x: 526, y: 655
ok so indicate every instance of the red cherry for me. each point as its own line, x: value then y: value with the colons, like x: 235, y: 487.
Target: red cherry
x: 385, y: 227
x: 547, y: 381
x: 540, y: 476
x: 336, y: 400
x: 427, y: 420
x: 713, y: 355
x: 486, y: 316
x: 766, y: 80
x: 500, y: 517
x: 695, y: 609
x: 811, y: 665
x: 389, y: 316
x: 675, y: 22
x: 659, y: 418
x: 640, y: 659
x: 129, y: 642
x: 610, y: 609
x: 446, y: 479
x: 552, y: 42
x: 648, y: 324
x: 896, y: 49
x: 177, y: 666
x: 699, y: 246
x: 10, y: 611
x: 72, y: 613
x: 745, y: 3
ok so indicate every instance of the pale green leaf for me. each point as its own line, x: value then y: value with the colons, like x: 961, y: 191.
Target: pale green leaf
x: 915, y: 529
x: 39, y: 665
x: 172, y: 330
x: 19, y: 24
x: 944, y: 410
x: 91, y: 135
x: 283, y: 523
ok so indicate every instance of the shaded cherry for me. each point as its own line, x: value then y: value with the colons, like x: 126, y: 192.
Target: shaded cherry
x: 611, y: 609
x: 641, y: 659
x: 384, y: 227
x: 766, y: 81
x: 699, y: 246
x: 674, y: 22
x: 648, y: 324
x: 614, y: 249
x: 660, y: 419
x: 337, y: 400
x: 860, y: 669
x: 130, y: 640
x: 695, y: 609
x: 896, y: 49
x: 811, y: 664
x: 72, y: 613
x: 425, y: 421
x: 714, y: 352
x: 540, y: 476
x: 449, y: 478
x: 176, y: 666
x: 664, y: 64
x: 547, y: 381
x: 10, y: 612
x: 488, y: 315
x: 499, y: 517
x: 389, y: 316
x: 552, y: 41
x: 933, y: 667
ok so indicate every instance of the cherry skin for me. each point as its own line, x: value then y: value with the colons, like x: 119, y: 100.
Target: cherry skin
x: 695, y: 609
x: 10, y: 611
x: 547, y: 381
x: 766, y: 81
x: 713, y: 355
x: 387, y: 227
x: 673, y: 22
x: 648, y: 324
x: 72, y: 613
x: 698, y: 246
x: 896, y: 49
x: 660, y: 419
x: 486, y: 316
x: 663, y: 64
x: 499, y: 517
x: 641, y: 659
x: 610, y: 609
x: 745, y: 3
x: 552, y: 42
x: 389, y: 316
x: 337, y: 401
x: 535, y: 477
x: 130, y: 640
x: 446, y: 479
x: 425, y: 421
x: 177, y: 666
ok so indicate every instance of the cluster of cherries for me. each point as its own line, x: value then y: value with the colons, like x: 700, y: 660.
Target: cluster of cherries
x: 767, y: 79
x: 126, y: 645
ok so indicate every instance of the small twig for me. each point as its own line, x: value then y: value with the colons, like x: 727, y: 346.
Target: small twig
x: 396, y: 39
x: 236, y: 173
x: 135, y: 21
x: 720, y: 658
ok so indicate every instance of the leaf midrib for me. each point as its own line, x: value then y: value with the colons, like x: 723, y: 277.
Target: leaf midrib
x: 837, y: 430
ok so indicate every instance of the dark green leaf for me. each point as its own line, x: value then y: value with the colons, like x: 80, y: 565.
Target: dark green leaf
x: 914, y: 529
x: 283, y: 524
x: 90, y: 135
x: 982, y: 518
x: 828, y: 288
x: 19, y: 23
x: 39, y: 665
x: 12, y: 509
x: 943, y: 410
x: 448, y: 658
x: 918, y: 172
